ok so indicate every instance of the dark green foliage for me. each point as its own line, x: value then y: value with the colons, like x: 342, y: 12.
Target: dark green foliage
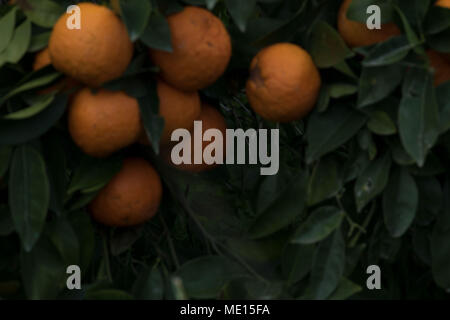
x: 364, y: 179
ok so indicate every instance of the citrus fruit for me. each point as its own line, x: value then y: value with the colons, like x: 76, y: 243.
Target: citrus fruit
x: 132, y: 196
x: 356, y: 34
x: 98, y: 52
x: 41, y: 59
x: 441, y: 66
x: 284, y: 83
x: 443, y: 3
x: 201, y: 50
x: 103, y: 122
x: 211, y: 118
x: 178, y: 108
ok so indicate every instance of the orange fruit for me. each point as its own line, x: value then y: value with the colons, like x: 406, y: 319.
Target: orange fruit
x: 201, y: 50
x: 98, y: 52
x: 356, y: 34
x: 42, y: 59
x: 103, y: 122
x: 441, y: 66
x: 132, y: 196
x: 284, y: 83
x: 443, y: 3
x: 211, y: 119
x: 178, y: 108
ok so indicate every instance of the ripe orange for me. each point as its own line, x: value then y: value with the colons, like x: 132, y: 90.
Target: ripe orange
x: 211, y: 119
x: 441, y: 67
x: 178, y: 108
x: 98, y: 52
x: 102, y: 123
x: 201, y: 50
x: 443, y: 3
x: 284, y: 83
x: 131, y: 198
x: 356, y: 34
x: 41, y: 59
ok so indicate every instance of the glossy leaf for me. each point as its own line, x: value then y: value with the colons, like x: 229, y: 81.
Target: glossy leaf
x: 418, y: 115
x: 328, y: 266
x: 319, y: 225
x: 372, y: 181
x: 29, y: 194
x: 400, y: 202
x: 135, y: 14
x: 328, y: 130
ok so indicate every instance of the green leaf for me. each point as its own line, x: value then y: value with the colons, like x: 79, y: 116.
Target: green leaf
x: 29, y: 194
x: 157, y: 33
x: 324, y: 182
x: 339, y: 90
x: 35, y: 83
x: 400, y: 202
x: 438, y: 20
x: 205, y: 277
x: 65, y: 240
x: 135, y: 14
x: 324, y: 98
x: 55, y: 156
x: 327, y: 47
x: 149, y: 285
x: 380, y: 123
x: 296, y: 262
x: 328, y: 266
x: 7, y: 23
x: 345, y: 290
x: 328, y: 130
x: 399, y: 155
x: 240, y: 11
x: 43, y: 271
x: 283, y: 212
x: 430, y: 199
x: 282, y: 32
x: 152, y: 121
x: 42, y: 102
x: 39, y: 41
x: 84, y: 231
x: 418, y: 115
x: 271, y: 188
x: 44, y: 13
x: 93, y: 174
x: 372, y: 181
x: 18, y: 45
x: 388, y: 52
x: 319, y: 225
x: 376, y: 83
x: 20, y: 131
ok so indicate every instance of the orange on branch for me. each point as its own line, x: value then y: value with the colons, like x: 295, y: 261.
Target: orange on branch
x: 284, y: 83
x: 131, y: 198
x: 103, y: 122
x: 201, y: 50
x: 98, y: 52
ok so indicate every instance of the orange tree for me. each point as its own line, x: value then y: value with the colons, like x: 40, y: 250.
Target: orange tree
x: 364, y: 149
